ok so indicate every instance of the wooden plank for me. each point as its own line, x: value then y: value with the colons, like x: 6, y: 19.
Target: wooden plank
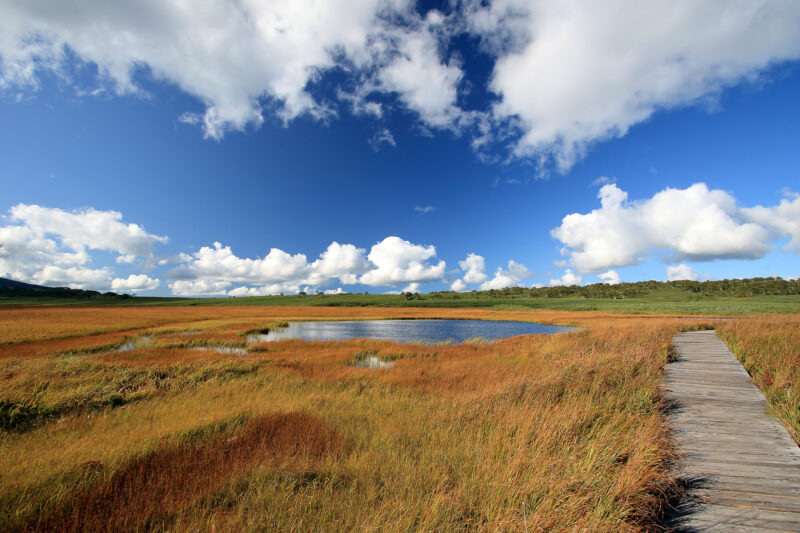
x: 769, y: 502
x: 740, y: 454
x: 743, y: 465
x: 760, y: 487
x: 708, y: 469
x: 725, y: 515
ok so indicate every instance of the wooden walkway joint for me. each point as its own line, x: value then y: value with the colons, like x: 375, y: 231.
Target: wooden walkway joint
x: 741, y: 466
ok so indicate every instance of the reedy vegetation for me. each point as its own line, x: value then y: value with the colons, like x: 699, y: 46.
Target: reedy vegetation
x: 558, y: 432
x: 769, y: 348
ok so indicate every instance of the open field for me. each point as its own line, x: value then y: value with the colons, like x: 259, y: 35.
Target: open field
x: 561, y: 432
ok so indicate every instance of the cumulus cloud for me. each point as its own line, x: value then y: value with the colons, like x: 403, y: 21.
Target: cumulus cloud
x: 424, y: 210
x: 411, y: 287
x: 422, y: 81
x: 220, y: 263
x: 579, y: 72
x: 200, y: 287
x: 566, y: 74
x: 135, y: 283
x: 88, y: 228
x: 390, y: 262
x: 567, y: 279
x: 474, y: 267
x: 271, y: 289
x: 684, y: 271
x: 23, y: 252
x: 696, y: 223
x: 76, y: 277
x: 507, y: 278
x: 398, y: 261
x: 52, y: 246
x: 783, y: 220
x: 609, y: 278
x: 259, y: 50
x: 342, y: 261
x: 458, y: 286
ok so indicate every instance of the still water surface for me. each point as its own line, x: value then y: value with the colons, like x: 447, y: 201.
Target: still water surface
x: 408, y: 330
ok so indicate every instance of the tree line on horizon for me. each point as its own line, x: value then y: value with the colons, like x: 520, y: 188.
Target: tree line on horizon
x: 771, y: 286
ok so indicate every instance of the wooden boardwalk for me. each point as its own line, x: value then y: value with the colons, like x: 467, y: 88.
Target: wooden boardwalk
x: 741, y: 466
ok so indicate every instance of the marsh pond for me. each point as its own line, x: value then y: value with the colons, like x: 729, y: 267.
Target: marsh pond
x: 409, y: 331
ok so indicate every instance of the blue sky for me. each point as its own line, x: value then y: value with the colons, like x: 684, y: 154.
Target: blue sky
x: 413, y: 137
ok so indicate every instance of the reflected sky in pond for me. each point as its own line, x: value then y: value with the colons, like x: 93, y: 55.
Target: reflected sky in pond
x: 419, y: 331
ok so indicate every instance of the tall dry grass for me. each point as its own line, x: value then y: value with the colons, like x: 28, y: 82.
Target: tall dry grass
x: 769, y: 349
x: 532, y: 433
x: 147, y: 490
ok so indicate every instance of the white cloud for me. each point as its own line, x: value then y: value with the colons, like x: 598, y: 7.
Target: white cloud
x: 610, y: 277
x: 411, y: 287
x: 271, y: 289
x: 685, y: 224
x: 398, y: 261
x: 567, y: 74
x: 277, y: 272
x: 578, y: 72
x: 603, y: 180
x: 683, y: 271
x: 783, y: 220
x: 337, y: 290
x: 424, y: 210
x: 219, y: 263
x: 422, y: 82
x: 75, y: 277
x: 458, y: 286
x: 567, y: 279
x: 382, y: 137
x: 23, y: 252
x: 200, y: 287
x: 507, y: 278
x: 474, y: 267
x: 343, y: 261
x: 390, y: 262
x: 232, y: 55
x: 51, y: 246
x: 135, y: 283
x: 88, y: 228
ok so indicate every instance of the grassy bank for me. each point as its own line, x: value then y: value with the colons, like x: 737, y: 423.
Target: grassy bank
x: 558, y: 432
x: 769, y: 348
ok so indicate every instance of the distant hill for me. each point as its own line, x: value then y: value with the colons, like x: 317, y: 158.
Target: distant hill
x: 13, y: 289
x: 14, y: 284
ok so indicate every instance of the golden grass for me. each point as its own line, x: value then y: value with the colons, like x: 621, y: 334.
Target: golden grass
x: 148, y: 489
x: 532, y: 433
x: 769, y: 348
